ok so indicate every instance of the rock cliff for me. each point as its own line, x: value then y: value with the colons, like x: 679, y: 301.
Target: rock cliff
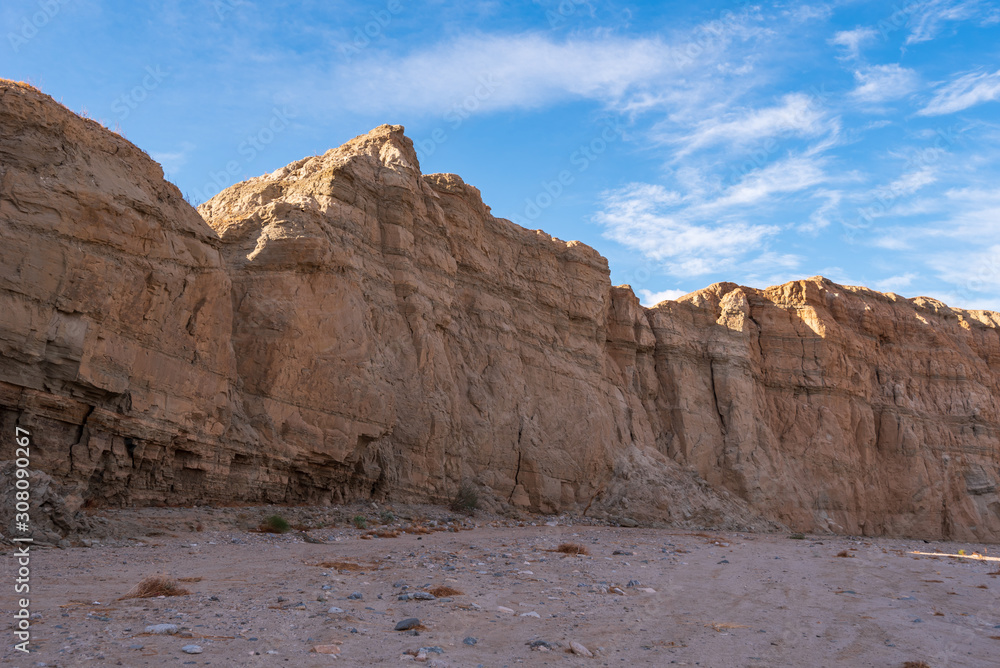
x: 347, y: 327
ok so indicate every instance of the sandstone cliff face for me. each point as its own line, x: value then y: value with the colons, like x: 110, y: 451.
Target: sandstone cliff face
x: 395, y: 336
x: 833, y: 406
x: 347, y: 327
x: 114, y: 333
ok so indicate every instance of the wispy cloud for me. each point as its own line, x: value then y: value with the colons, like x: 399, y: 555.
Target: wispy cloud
x: 798, y: 114
x: 789, y: 175
x: 928, y: 18
x: 964, y: 92
x: 852, y: 40
x: 531, y: 69
x: 881, y: 83
x: 645, y: 217
x: 895, y: 283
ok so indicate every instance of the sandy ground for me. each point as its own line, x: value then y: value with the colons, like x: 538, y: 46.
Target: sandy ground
x: 651, y: 597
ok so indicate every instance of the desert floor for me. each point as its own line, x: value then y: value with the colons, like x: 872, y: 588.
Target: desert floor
x: 652, y: 597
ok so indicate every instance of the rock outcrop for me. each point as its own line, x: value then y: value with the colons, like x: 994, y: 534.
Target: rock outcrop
x: 347, y: 327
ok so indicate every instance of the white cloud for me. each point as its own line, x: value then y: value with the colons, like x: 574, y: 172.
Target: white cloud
x: 911, y: 182
x: 644, y: 217
x: 895, y: 283
x: 928, y: 17
x: 650, y: 298
x: 964, y: 92
x: 853, y: 40
x: 785, y: 176
x: 797, y: 114
x: 528, y: 70
x: 975, y: 272
x: 880, y: 83
x: 820, y: 218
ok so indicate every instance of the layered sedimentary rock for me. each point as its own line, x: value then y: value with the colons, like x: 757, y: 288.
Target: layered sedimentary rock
x: 347, y: 327
x: 114, y: 308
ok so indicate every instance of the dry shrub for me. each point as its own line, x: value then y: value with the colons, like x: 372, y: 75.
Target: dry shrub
x: 571, y: 548
x: 466, y: 499
x: 194, y: 579
x: 155, y: 585
x: 916, y: 664
x: 444, y: 591
x: 387, y: 533
x: 845, y: 553
x: 341, y: 565
x: 726, y: 626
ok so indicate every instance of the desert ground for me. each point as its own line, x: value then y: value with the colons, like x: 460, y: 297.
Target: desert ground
x: 329, y: 593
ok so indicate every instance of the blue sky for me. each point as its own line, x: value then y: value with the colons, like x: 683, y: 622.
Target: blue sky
x: 688, y: 142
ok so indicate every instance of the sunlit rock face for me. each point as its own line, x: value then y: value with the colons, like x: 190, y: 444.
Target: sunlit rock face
x: 347, y: 327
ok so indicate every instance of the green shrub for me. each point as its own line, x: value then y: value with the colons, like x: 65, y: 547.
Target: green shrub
x: 275, y: 524
x: 387, y: 517
x: 360, y: 522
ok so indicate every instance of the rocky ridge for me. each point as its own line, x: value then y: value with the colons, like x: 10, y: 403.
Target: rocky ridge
x: 347, y: 327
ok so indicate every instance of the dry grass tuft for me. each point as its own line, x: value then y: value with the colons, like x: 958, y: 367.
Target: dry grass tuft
x: 194, y: 579
x: 571, y: 548
x: 726, y: 626
x: 444, y: 591
x: 916, y: 664
x: 341, y: 565
x: 846, y: 554
x: 153, y: 586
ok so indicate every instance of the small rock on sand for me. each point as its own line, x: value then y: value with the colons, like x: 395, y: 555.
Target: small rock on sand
x: 407, y: 624
x: 580, y: 650
x: 191, y: 649
x: 162, y: 629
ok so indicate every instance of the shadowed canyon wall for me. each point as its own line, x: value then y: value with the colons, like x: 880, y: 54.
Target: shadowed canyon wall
x: 347, y: 327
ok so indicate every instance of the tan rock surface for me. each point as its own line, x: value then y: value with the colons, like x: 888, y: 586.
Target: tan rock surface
x: 115, y: 306
x: 357, y: 329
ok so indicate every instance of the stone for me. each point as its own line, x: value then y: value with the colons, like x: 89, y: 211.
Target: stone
x: 580, y: 650
x: 408, y: 624
x: 469, y: 641
x: 191, y: 649
x: 162, y: 629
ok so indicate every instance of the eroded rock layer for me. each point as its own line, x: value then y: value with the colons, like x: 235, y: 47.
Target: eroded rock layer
x: 347, y: 327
